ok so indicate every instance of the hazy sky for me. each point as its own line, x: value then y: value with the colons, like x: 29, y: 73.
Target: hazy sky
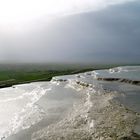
x: 87, y: 31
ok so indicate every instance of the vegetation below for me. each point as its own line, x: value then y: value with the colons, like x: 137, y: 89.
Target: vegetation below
x: 13, y: 77
x: 25, y: 73
x: 9, y: 78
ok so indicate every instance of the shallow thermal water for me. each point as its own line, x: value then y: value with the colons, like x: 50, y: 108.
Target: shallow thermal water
x: 93, y: 105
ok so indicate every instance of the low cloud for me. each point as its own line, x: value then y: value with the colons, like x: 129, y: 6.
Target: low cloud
x: 107, y: 35
x: 19, y: 11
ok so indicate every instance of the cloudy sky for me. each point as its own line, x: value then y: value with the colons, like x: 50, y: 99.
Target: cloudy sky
x: 70, y: 31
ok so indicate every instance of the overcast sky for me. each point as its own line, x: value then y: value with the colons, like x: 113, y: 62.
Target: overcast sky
x: 87, y: 31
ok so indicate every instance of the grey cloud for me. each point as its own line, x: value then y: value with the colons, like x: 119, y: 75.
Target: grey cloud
x: 110, y: 35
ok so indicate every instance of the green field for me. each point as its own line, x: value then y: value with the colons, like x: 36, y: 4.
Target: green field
x: 19, y: 74
x: 12, y: 77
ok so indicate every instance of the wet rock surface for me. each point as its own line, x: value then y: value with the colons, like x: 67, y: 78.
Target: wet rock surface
x: 95, y: 117
x: 96, y: 105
